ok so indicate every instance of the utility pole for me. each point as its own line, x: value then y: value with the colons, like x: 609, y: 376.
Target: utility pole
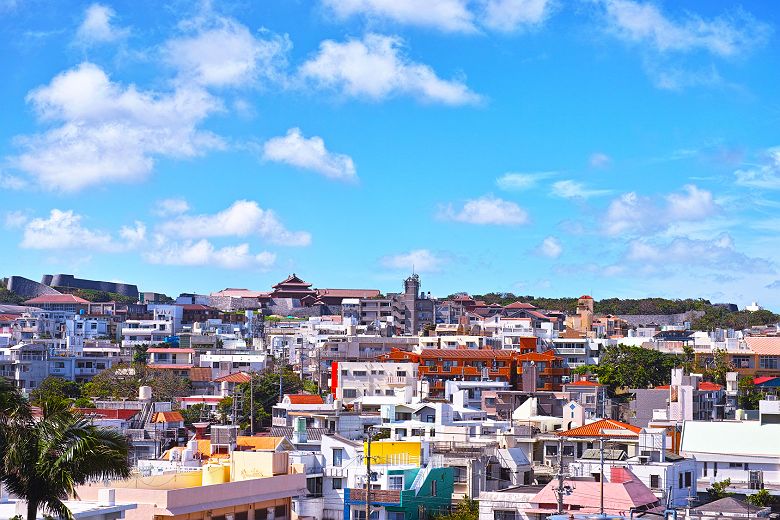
x: 252, y: 403
x: 601, y: 480
x: 368, y: 477
x: 281, y: 395
x: 560, y: 491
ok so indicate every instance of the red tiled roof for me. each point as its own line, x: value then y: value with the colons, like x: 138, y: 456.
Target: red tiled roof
x: 8, y: 317
x: 583, y: 382
x: 235, y: 377
x: 200, y: 374
x: 547, y: 355
x: 706, y: 386
x: 599, y: 429
x: 764, y: 345
x: 56, y: 298
x: 108, y: 413
x: 167, y: 417
x: 585, y: 297
x: 164, y: 366
x: 196, y: 307
x: 304, y: 399
x: 520, y: 305
x: 464, y: 353
x: 662, y: 387
x: 760, y: 380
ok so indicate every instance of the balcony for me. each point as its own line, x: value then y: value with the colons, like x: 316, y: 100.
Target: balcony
x: 378, y: 496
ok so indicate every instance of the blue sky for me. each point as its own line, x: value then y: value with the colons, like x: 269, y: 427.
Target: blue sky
x: 614, y: 147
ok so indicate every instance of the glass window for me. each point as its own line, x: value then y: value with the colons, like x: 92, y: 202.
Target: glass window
x: 502, y: 514
x: 280, y: 511
x: 395, y: 482
x: 338, y: 455
x: 337, y: 483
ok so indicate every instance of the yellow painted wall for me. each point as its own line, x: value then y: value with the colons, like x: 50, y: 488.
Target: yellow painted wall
x: 394, y: 452
x: 258, y: 464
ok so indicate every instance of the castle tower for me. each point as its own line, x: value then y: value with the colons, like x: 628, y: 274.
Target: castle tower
x: 585, y: 310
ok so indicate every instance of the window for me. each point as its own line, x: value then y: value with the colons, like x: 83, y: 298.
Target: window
x: 243, y: 515
x: 568, y: 451
x: 551, y: 450
x: 459, y: 474
x: 502, y: 514
x: 359, y: 373
x: 769, y: 362
x: 396, y: 515
x: 655, y: 481
x: 395, y: 482
x: 401, y: 373
x: 714, y: 469
x: 680, y: 480
x: 734, y: 465
x: 741, y: 361
x: 337, y: 483
x: 338, y: 456
x: 349, y: 393
x: 688, y: 478
x: 261, y: 514
x: 280, y: 511
x: 433, y: 488
x: 705, y: 470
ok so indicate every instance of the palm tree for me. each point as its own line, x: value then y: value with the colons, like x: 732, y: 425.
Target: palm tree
x: 46, y: 457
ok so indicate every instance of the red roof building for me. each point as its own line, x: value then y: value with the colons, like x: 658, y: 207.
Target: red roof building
x: 303, y: 399
x: 603, y: 428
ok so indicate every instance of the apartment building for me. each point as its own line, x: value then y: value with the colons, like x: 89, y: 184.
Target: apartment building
x: 353, y: 380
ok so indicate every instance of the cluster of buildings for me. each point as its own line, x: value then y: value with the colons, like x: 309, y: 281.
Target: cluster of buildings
x: 423, y: 401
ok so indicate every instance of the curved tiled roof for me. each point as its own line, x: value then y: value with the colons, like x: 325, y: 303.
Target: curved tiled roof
x: 603, y: 428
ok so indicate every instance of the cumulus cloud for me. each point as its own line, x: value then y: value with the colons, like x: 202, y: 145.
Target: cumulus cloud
x: 487, y: 210
x: 417, y: 260
x: 511, y: 15
x: 569, y: 189
x: 97, y: 27
x: 107, y: 132
x: 765, y: 175
x: 222, y: 52
x: 645, y: 23
x: 599, y: 160
x: 444, y: 15
x: 309, y: 154
x: 522, y: 181
x: 550, y: 247
x: 172, y: 206
x: 243, y: 218
x: 717, y: 254
x: 376, y: 68
x: 64, y: 230
x: 133, y: 235
x: 203, y: 253
x: 632, y: 213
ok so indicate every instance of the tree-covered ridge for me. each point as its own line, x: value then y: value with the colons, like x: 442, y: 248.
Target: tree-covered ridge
x: 92, y: 295
x: 605, y: 306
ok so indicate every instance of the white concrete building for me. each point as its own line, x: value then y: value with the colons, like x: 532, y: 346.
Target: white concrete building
x: 356, y: 379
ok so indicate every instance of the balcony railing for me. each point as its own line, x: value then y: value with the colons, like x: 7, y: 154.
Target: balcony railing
x: 378, y: 496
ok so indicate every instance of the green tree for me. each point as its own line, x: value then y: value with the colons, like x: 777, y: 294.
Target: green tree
x: 466, y: 509
x: 266, y: 393
x: 716, y: 369
x: 762, y: 498
x: 633, y: 367
x: 225, y: 409
x: 139, y: 354
x: 195, y: 413
x: 718, y: 490
x: 46, y: 457
x: 55, y: 388
x: 749, y: 394
x: 123, y: 380
x: 83, y: 402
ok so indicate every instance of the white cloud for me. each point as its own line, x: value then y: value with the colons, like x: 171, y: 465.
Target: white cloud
x: 203, y: 253
x: 12, y: 182
x: 108, y: 132
x: 444, y: 15
x: 765, y: 175
x: 551, y: 247
x: 310, y: 154
x: 15, y: 219
x: 417, y: 260
x: 521, y: 181
x: 639, y: 22
x: 133, y: 235
x: 97, y: 27
x: 376, y: 68
x: 569, y: 189
x: 172, y: 206
x: 487, y: 210
x: 63, y: 230
x: 599, y: 160
x: 631, y: 213
x: 242, y: 218
x: 223, y: 53
x: 511, y: 15
x: 718, y: 254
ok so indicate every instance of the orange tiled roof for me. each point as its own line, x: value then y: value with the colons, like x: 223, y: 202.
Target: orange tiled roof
x: 305, y: 399
x: 583, y: 382
x: 597, y: 429
x: 167, y: 417
x: 706, y: 386
x: 547, y: 355
x: 235, y: 377
x: 764, y: 345
x: 56, y: 298
x: 200, y: 374
x: 465, y: 353
x: 258, y: 443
